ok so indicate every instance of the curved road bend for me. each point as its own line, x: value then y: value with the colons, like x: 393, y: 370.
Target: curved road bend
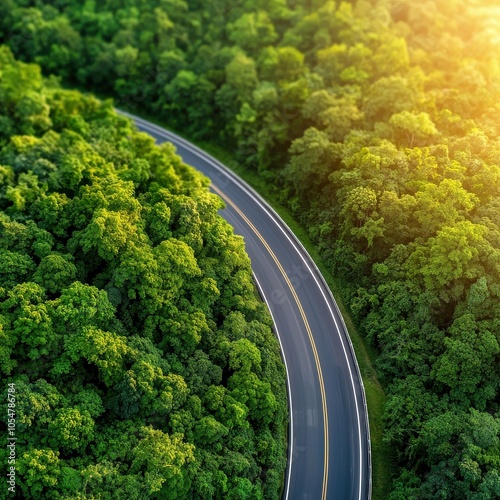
x: 329, y: 449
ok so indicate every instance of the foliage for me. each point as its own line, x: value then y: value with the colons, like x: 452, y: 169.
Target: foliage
x: 118, y: 282
x: 376, y: 121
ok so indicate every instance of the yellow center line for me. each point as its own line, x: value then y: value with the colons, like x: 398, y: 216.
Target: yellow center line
x: 306, y: 324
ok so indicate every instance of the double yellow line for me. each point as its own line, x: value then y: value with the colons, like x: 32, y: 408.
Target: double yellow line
x: 306, y: 324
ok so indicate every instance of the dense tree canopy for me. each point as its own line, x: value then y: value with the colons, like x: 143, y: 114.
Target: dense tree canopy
x: 377, y: 123
x: 144, y: 362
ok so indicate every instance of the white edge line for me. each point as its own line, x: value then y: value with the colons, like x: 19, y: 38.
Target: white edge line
x: 290, y: 446
x: 282, y: 226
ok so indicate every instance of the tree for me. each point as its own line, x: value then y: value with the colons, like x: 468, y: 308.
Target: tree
x: 163, y: 462
x: 412, y: 129
x: 450, y: 258
x: 313, y: 158
x: 252, y: 30
x: 470, y: 349
x: 40, y: 470
x: 55, y: 272
x: 388, y: 96
x: 71, y: 429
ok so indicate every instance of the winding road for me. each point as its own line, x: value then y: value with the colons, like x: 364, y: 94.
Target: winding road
x: 329, y: 440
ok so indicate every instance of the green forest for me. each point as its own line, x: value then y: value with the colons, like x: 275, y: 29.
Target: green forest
x: 143, y: 360
x: 376, y: 122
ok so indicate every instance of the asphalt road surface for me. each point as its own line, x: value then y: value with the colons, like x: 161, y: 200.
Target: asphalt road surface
x: 329, y: 443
